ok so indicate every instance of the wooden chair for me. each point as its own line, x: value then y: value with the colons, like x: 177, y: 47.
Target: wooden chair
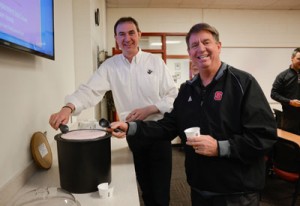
x: 286, y: 163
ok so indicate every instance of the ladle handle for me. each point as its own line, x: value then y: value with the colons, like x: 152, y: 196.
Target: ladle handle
x: 106, y: 124
x: 118, y: 130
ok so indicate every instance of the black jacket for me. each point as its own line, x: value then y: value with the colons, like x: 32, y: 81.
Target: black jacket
x: 232, y: 108
x: 285, y: 88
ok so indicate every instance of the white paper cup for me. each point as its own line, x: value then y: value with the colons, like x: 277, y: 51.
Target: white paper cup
x: 192, y: 132
x: 105, y: 191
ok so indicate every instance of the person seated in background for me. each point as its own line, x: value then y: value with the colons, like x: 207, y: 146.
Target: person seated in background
x: 286, y: 90
x: 225, y: 165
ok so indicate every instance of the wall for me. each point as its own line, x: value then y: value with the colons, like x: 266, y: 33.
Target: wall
x: 256, y: 41
x: 32, y: 88
x: 88, y: 39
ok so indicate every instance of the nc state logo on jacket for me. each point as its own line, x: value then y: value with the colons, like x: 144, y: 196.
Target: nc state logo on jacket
x: 218, y: 95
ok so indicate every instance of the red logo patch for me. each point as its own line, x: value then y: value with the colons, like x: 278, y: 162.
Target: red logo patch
x: 218, y: 96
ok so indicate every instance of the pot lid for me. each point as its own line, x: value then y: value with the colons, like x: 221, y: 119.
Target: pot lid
x: 48, y: 196
x: 41, y: 150
x: 83, y: 134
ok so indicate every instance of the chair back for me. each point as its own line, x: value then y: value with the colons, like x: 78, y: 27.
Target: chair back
x: 278, y: 117
x: 286, y: 163
x: 286, y: 156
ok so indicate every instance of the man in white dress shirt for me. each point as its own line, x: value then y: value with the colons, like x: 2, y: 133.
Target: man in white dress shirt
x: 143, y: 89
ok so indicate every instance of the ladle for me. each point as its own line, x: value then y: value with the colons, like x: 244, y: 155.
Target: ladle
x: 106, y: 124
x: 102, y: 122
x: 63, y: 128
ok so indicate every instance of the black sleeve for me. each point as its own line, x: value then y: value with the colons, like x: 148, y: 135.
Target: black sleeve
x: 277, y: 91
x: 259, y: 126
x: 163, y: 129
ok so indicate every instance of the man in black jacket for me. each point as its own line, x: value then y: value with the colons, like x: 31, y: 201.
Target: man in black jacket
x: 225, y: 164
x: 286, y: 90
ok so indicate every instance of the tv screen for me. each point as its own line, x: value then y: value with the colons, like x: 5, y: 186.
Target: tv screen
x: 28, y: 26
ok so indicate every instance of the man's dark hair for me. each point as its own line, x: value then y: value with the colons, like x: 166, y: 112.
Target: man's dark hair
x: 200, y: 27
x: 295, y: 52
x: 126, y: 19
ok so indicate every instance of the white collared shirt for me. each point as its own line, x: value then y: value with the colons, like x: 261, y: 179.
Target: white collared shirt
x: 143, y: 82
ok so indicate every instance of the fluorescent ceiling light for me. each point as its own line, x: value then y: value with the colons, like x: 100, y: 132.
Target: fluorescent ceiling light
x: 173, y: 42
x: 168, y: 42
x: 156, y: 44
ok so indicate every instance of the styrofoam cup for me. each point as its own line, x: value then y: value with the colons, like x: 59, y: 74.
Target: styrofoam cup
x: 192, y: 132
x: 105, y: 191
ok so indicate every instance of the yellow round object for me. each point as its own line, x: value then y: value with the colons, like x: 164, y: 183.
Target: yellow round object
x: 41, y: 150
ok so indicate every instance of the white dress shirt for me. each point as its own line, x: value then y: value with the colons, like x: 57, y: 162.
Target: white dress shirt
x: 143, y: 82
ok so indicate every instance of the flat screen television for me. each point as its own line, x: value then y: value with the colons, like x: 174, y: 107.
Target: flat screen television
x: 28, y: 25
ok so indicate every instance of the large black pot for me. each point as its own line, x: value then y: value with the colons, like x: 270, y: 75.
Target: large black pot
x: 83, y: 162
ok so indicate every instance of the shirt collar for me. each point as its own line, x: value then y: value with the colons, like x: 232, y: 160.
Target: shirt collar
x: 219, y: 74
x: 135, y: 59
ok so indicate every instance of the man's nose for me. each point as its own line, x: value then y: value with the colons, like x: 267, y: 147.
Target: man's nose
x: 201, y: 46
x: 127, y: 37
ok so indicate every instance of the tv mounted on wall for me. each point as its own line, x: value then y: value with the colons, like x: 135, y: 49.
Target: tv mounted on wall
x: 28, y: 26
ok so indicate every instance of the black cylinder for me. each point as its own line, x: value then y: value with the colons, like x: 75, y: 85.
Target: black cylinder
x: 83, y: 164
